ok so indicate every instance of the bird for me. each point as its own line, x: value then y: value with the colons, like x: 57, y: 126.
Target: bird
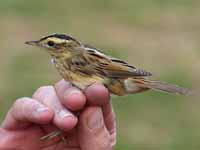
x: 83, y: 65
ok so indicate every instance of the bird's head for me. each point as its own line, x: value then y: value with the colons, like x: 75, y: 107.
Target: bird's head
x: 56, y: 43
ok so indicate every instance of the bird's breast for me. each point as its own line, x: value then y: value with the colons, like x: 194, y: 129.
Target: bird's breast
x: 83, y: 82
x: 77, y: 78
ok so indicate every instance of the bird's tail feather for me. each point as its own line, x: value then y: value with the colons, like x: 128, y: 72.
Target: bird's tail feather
x: 162, y: 86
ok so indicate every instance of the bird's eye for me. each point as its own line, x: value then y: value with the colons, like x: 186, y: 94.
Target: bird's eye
x: 50, y: 43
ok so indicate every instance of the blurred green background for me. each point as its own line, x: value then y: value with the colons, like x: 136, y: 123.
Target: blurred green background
x: 161, y: 36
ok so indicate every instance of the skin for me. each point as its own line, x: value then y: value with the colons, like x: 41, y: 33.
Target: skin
x: 86, y: 117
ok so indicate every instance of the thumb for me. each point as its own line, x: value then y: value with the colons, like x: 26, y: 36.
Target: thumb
x: 93, y: 134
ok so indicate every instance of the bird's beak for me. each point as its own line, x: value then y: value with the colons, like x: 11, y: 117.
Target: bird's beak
x: 34, y: 43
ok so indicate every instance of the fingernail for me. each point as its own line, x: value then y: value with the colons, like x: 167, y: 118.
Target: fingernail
x: 95, y: 119
x: 63, y: 114
x: 40, y: 110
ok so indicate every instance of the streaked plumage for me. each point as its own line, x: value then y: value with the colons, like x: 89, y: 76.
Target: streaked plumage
x: 83, y: 65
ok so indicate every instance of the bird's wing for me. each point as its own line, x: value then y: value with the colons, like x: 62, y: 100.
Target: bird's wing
x: 95, y: 62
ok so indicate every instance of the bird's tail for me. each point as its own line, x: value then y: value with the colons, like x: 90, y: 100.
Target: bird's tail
x: 158, y: 86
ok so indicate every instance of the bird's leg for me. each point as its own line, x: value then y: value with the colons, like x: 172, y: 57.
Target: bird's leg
x: 57, y: 133
x: 52, y: 135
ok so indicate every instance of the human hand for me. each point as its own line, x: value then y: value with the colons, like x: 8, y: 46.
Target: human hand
x: 53, y: 108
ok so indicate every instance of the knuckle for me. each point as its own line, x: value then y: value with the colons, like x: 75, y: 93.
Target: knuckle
x: 42, y: 89
x: 62, y: 82
x: 25, y: 105
x: 19, y: 104
x: 21, y: 101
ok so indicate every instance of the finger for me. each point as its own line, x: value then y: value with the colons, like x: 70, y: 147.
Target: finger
x: 70, y: 97
x: 25, y: 111
x: 97, y: 94
x: 92, y: 132
x: 63, y: 118
x: 110, y: 122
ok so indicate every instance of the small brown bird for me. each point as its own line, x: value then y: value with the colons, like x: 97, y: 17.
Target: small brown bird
x: 84, y: 65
